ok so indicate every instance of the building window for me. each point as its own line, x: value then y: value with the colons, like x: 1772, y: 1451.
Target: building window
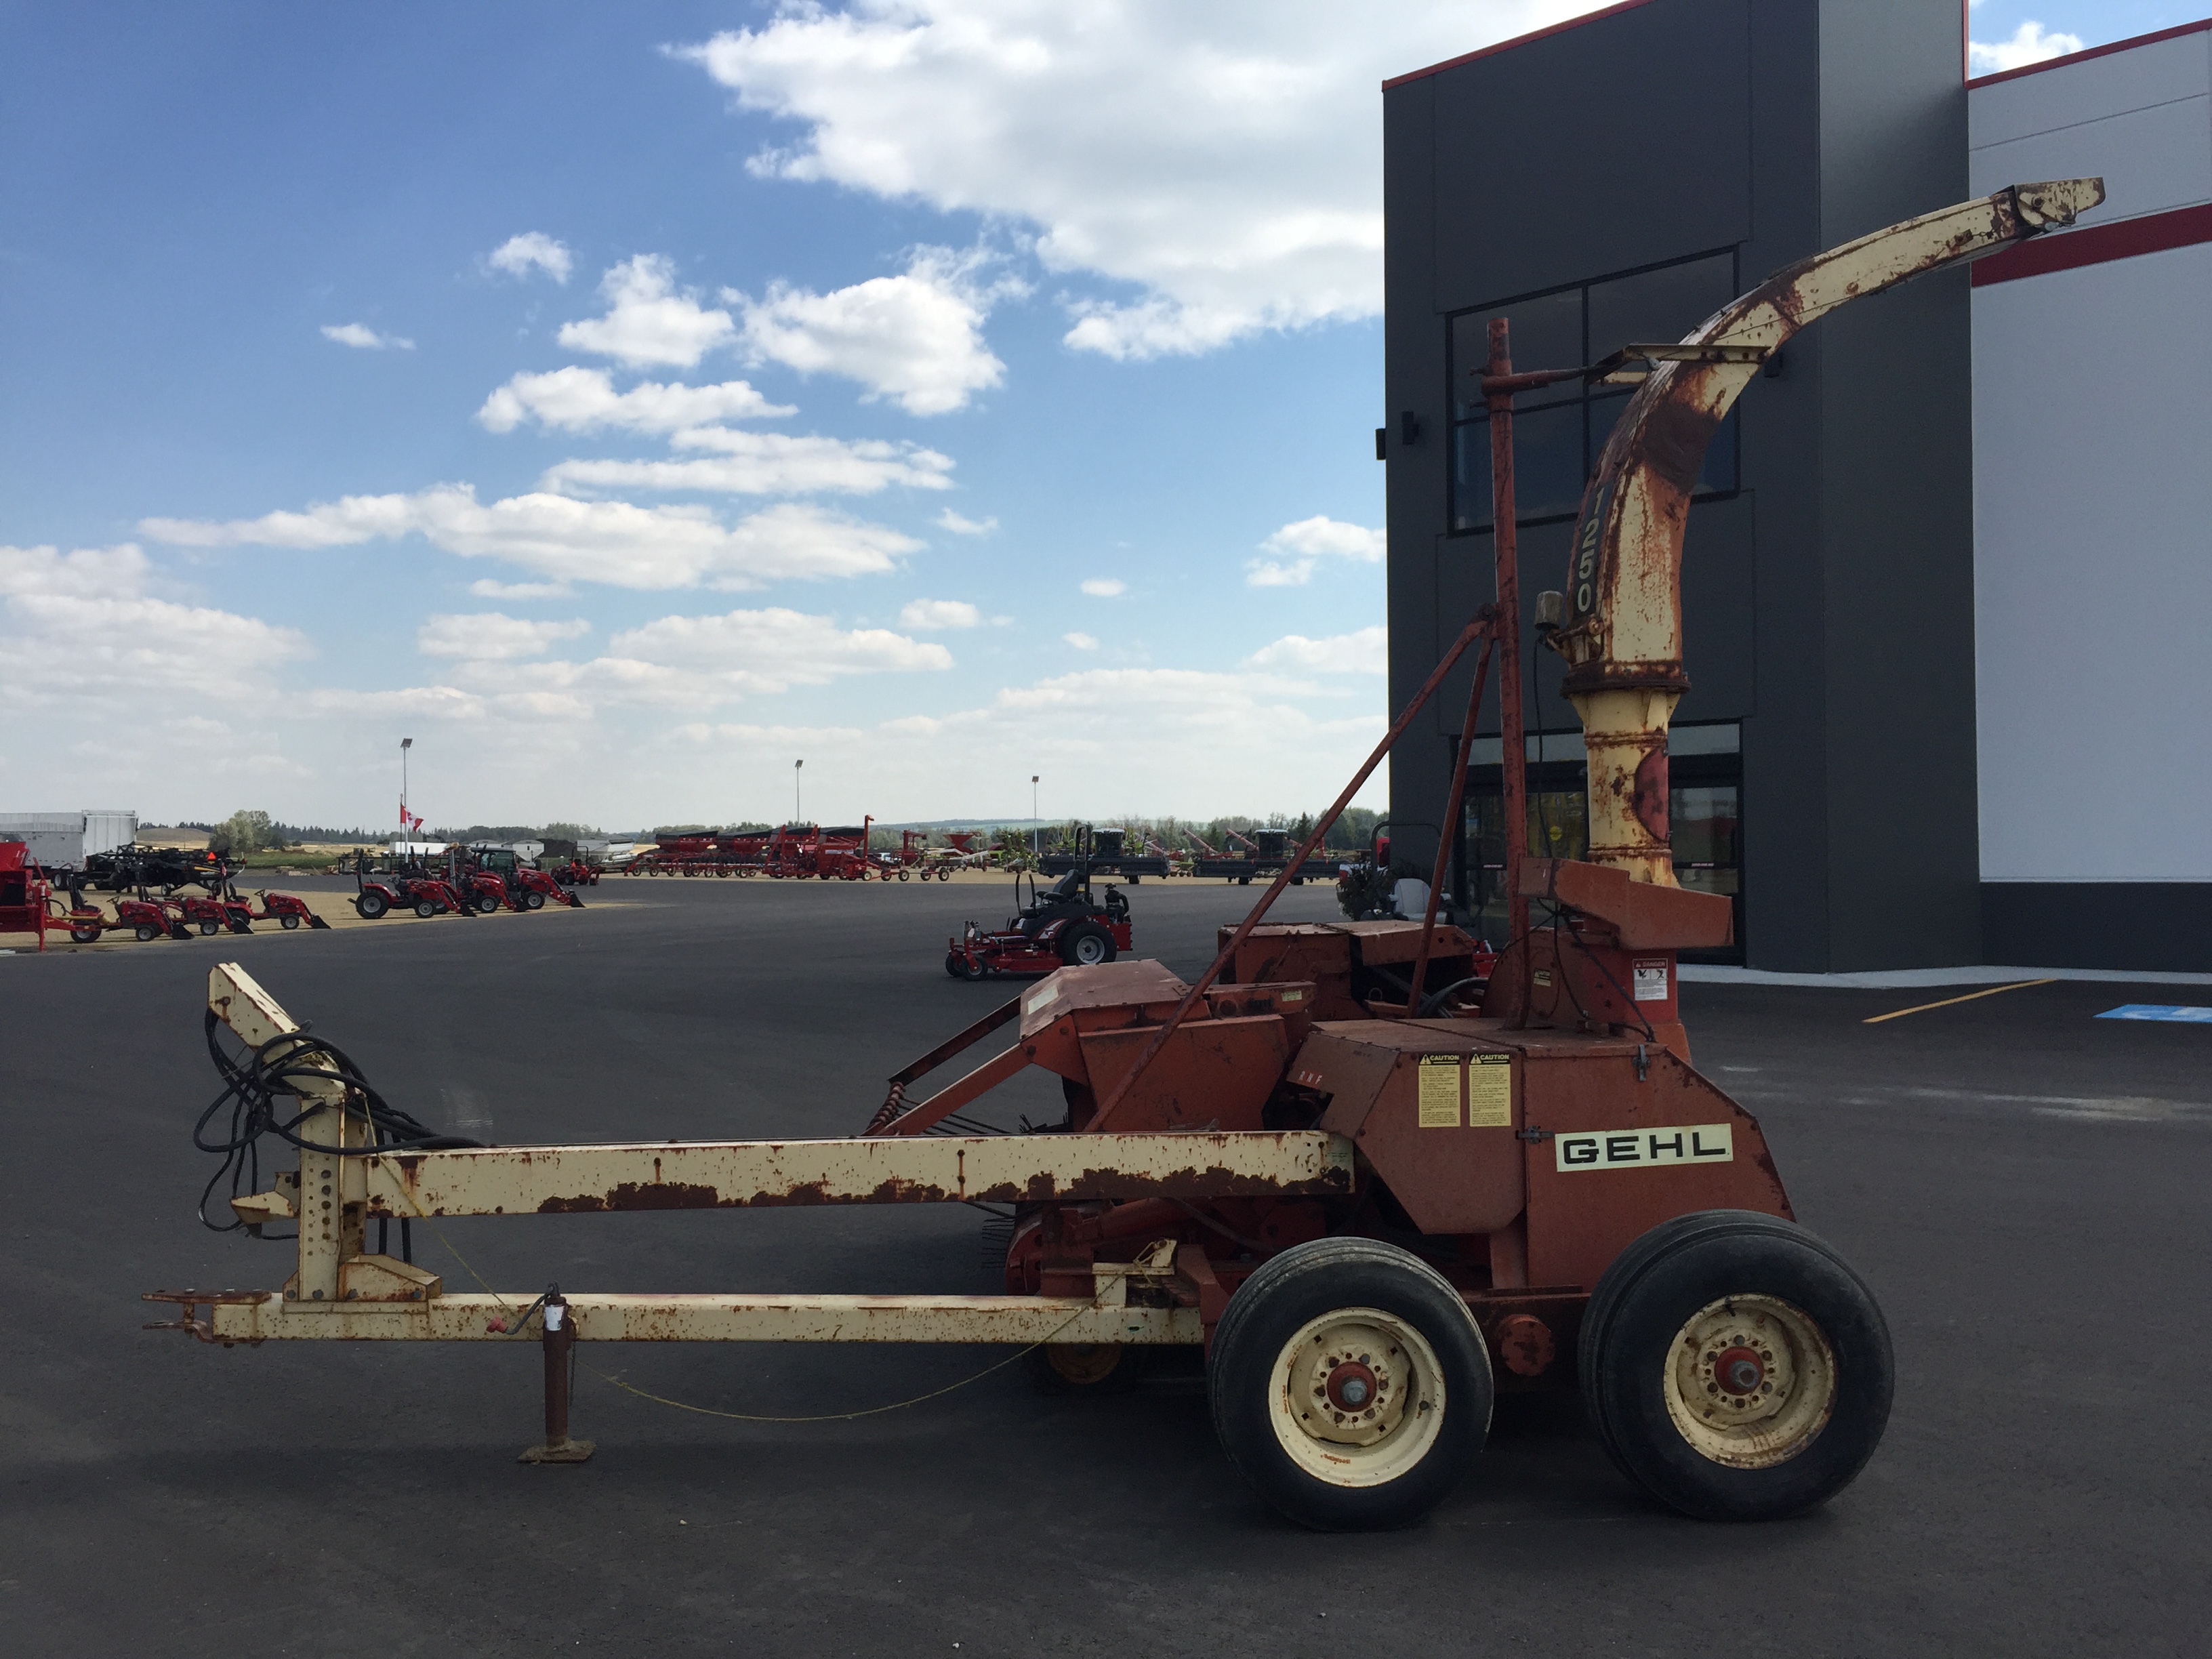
x: 1558, y: 433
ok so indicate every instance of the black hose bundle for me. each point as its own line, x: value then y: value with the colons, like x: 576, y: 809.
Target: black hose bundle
x: 253, y: 1077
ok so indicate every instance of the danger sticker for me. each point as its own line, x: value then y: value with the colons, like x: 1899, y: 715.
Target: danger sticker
x: 1650, y: 979
x: 1640, y: 1149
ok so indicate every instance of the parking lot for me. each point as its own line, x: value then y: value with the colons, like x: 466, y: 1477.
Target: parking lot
x: 2024, y: 1186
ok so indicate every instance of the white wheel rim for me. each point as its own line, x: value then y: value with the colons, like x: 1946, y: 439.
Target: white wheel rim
x: 1776, y: 1349
x: 1380, y: 1442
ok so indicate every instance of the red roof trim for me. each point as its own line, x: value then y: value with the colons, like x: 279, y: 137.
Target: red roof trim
x: 2084, y: 55
x: 1508, y: 46
x: 2096, y: 245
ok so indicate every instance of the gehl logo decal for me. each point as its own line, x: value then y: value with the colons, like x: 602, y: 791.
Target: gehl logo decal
x: 1643, y: 1148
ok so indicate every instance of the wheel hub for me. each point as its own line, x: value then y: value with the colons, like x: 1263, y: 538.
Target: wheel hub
x: 1750, y: 1381
x: 1739, y: 1370
x: 1352, y: 1387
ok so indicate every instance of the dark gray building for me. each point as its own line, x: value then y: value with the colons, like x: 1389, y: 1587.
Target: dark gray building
x: 1616, y: 179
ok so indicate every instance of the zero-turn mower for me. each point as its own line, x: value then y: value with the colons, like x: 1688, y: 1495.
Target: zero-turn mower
x: 1062, y: 925
x: 1371, y: 1211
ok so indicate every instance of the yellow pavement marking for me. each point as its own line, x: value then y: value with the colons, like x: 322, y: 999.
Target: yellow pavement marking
x: 1947, y: 1001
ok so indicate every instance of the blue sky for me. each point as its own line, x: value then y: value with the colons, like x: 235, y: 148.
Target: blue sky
x: 623, y: 402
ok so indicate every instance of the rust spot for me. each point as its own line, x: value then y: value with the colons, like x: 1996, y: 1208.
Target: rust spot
x: 1649, y: 801
x: 1674, y: 438
x: 636, y: 1195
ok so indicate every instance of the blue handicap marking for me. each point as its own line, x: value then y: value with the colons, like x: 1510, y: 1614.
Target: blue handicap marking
x: 2187, y: 1015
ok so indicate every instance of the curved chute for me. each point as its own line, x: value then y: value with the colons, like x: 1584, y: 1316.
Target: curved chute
x: 1619, y: 623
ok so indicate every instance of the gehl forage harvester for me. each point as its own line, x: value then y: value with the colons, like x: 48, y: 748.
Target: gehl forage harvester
x: 1374, y: 1188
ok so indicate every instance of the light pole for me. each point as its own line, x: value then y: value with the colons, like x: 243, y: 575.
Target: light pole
x: 1036, y: 830
x: 406, y: 743
x: 795, y: 814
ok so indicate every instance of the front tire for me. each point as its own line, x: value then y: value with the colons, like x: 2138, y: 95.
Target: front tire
x: 1735, y: 1367
x: 533, y: 900
x: 1349, y: 1385
x: 974, y: 967
x: 288, y: 921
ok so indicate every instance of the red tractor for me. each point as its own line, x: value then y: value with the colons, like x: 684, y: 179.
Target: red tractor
x: 24, y: 890
x: 408, y: 890
x: 1062, y: 926
x: 286, y: 910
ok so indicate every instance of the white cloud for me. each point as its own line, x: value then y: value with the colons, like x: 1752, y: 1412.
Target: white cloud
x: 365, y: 338
x: 1225, y: 158
x: 83, y: 631
x: 765, y: 463
x: 1364, y: 651
x: 617, y: 543
x: 2029, y: 44
x: 518, y: 256
x: 960, y: 525
x: 1105, y: 588
x: 492, y: 636
x: 647, y: 319
x: 420, y: 701
x: 1082, y: 642
x: 926, y: 615
x: 576, y: 399
x: 485, y: 589
x: 1309, y: 541
x: 916, y: 338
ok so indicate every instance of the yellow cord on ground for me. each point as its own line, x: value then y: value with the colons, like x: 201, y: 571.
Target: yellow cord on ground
x: 1901, y: 1012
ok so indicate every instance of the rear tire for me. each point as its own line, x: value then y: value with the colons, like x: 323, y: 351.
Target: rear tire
x: 1086, y: 946
x: 85, y: 935
x: 371, y: 906
x: 1349, y: 1385
x: 1735, y: 1367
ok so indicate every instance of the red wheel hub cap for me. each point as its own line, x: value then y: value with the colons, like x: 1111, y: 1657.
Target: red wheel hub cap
x: 1739, y: 1370
x: 1352, y: 1387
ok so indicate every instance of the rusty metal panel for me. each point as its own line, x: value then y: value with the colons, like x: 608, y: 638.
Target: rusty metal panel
x: 1213, y: 1074
x: 1455, y: 1172
x: 737, y: 1175
x: 618, y: 1318
x: 1133, y: 985
x: 1580, y: 1217
x: 1647, y: 917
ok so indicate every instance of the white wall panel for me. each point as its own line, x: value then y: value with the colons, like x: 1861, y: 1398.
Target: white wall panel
x: 2150, y: 159
x: 2090, y: 90
x: 2092, y: 561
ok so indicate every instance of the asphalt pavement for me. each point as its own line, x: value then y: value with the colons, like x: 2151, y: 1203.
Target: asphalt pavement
x: 2024, y: 1187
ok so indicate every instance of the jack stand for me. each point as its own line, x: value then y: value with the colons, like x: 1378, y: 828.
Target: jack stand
x: 559, y: 1337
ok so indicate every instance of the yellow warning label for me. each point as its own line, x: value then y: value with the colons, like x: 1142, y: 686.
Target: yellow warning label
x: 1490, y: 1091
x: 1440, y: 1089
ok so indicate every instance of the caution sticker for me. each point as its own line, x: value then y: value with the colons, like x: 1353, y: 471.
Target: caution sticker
x: 1643, y: 1148
x: 1490, y: 1091
x: 1440, y: 1090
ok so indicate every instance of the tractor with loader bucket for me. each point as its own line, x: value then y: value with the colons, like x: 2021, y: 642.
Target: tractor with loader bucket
x: 1372, y: 1204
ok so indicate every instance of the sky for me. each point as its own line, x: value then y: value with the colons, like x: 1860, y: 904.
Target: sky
x: 626, y: 402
